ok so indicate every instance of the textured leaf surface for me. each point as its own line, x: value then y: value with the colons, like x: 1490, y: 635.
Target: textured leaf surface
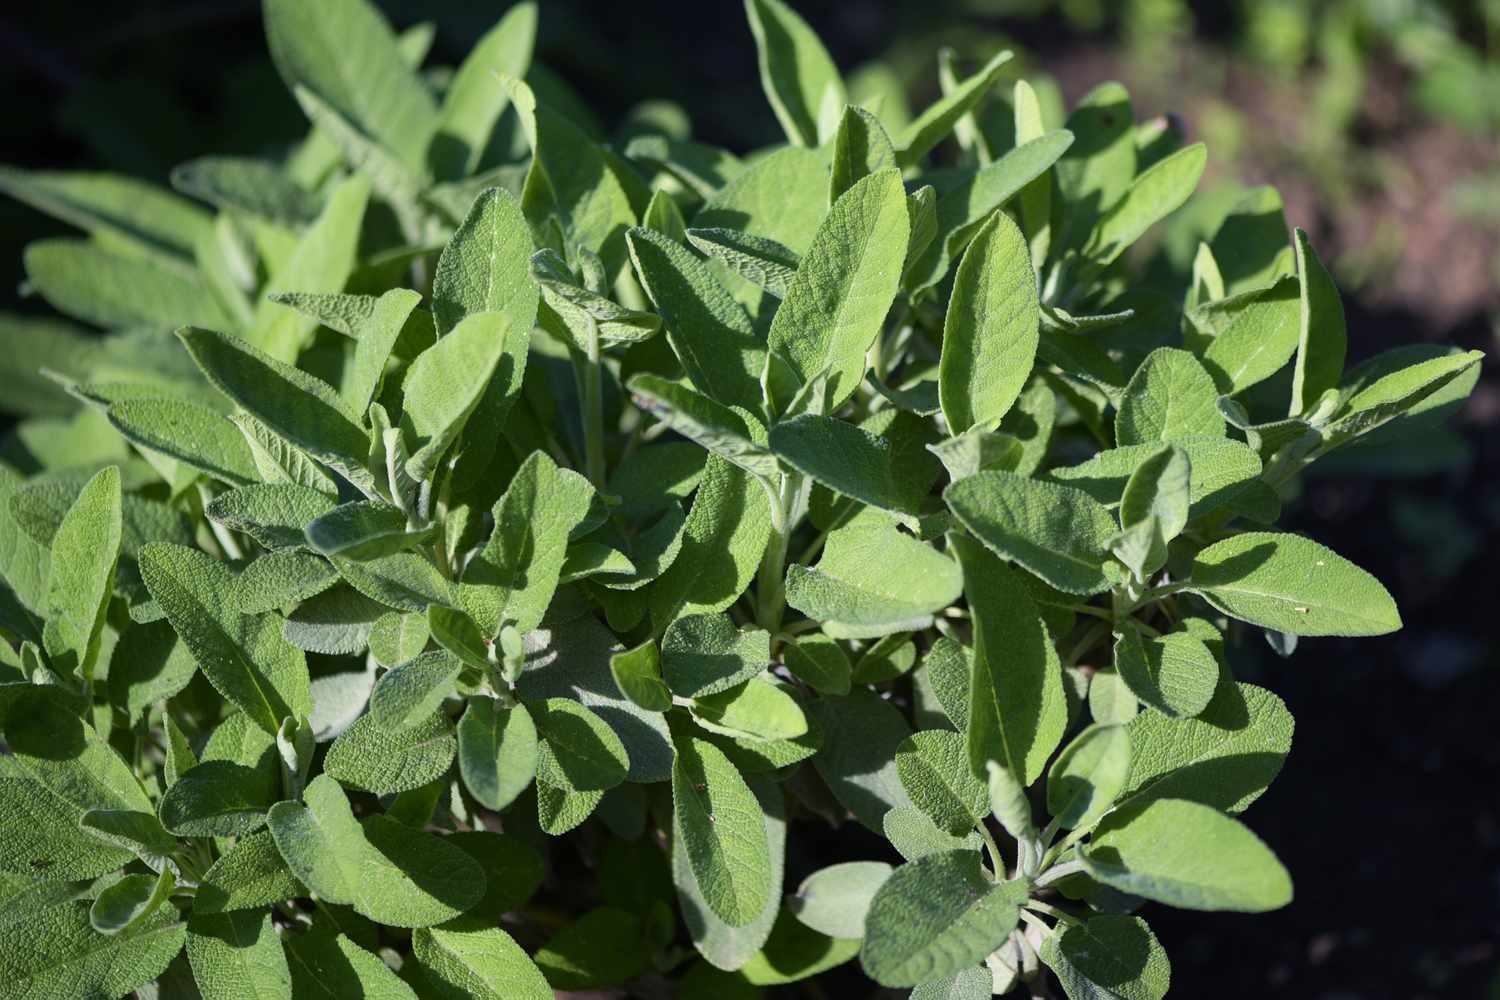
x: 244, y: 657
x: 497, y: 751
x: 1057, y: 532
x: 478, y: 962
x: 934, y: 916
x: 849, y: 587
x: 834, y: 900
x: 56, y: 954
x: 1173, y: 673
x: 1108, y: 957
x: 1017, y: 711
x: 934, y: 769
x: 1188, y: 855
x: 1292, y: 584
x: 798, y: 75
x: 390, y: 873
x: 1170, y: 396
x: 706, y: 654
x: 990, y: 332
x: 844, y: 286
x: 723, y: 834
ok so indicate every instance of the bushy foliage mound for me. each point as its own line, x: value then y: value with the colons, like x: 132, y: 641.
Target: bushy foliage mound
x: 477, y: 549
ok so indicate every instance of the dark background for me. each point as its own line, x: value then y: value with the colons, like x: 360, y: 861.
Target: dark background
x: 1386, y: 812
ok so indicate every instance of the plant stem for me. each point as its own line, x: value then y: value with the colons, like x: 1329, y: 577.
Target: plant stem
x: 593, y: 409
x: 997, y: 861
x: 770, y: 586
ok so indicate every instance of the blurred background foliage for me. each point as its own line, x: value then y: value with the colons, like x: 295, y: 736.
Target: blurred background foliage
x: 1377, y: 121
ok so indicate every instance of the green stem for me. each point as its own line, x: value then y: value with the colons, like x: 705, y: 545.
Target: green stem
x: 593, y: 409
x: 770, y: 587
x: 997, y: 860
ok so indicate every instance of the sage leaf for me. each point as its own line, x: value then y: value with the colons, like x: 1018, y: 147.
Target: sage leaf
x: 844, y: 285
x: 243, y: 656
x: 1173, y: 673
x: 497, y: 751
x: 1170, y: 396
x: 934, y: 769
x: 1056, y: 532
x: 1017, y: 711
x: 719, y: 822
x: 1108, y: 957
x: 990, y: 333
x: 85, y: 549
x: 847, y: 591
x: 1088, y: 776
x: 388, y: 872
x: 834, y: 900
x: 799, y: 77
x: 1187, y: 855
x: 1292, y: 584
x: 934, y: 916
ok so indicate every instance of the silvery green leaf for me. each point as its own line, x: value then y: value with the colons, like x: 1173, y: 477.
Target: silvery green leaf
x: 573, y: 307
x: 474, y: 102
x: 848, y: 590
x: 276, y: 515
x: 255, y: 187
x: 85, y: 549
x: 320, y: 262
x: 362, y: 529
x: 396, y: 638
x: 1257, y: 338
x: 1223, y: 758
x: 860, y: 148
x: 799, y: 77
x: 834, y: 900
x: 934, y: 916
x: 1222, y: 470
x: 390, y: 873
x: 723, y: 835
x: 1098, y: 171
x: 1292, y: 583
x: 249, y: 875
x: 336, y: 622
x: 514, y: 576
x: 464, y: 961
x: 638, y: 674
x: 347, y: 54
x: 237, y: 953
x: 819, y: 662
x: 135, y: 831
x: 332, y: 965
x: 497, y: 751
x: 193, y: 434
x: 1017, y: 709
x: 1174, y: 673
x: 934, y: 769
x: 243, y: 656
x: 716, y: 427
x: 969, y: 202
x: 933, y: 125
x: 663, y: 216
x: 757, y: 710
x: 1322, y: 339
x: 110, y: 289
x: 914, y: 835
x: 1407, y: 391
x: 112, y: 206
x: 1088, y: 776
x: 301, y: 408
x: 282, y: 578
x: 1170, y: 396
x: 57, y: 953
x: 1155, y: 193
x: 701, y: 168
x: 446, y: 382
x: 759, y: 260
x: 838, y: 299
x: 990, y: 331
x: 388, y: 762
x: 410, y: 693
x: 1058, y: 533
x: 1108, y: 957
x: 1187, y: 855
x: 709, y: 331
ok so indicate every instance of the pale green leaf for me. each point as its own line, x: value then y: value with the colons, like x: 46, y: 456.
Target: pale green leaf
x: 387, y: 761
x: 1056, y: 532
x: 1155, y: 193
x: 390, y: 873
x: 1174, y: 673
x: 1017, y: 710
x: 110, y: 289
x: 1108, y: 957
x: 238, y: 954
x: 844, y: 286
x: 497, y: 751
x: 1170, y: 396
x: 799, y: 76
x: 243, y: 656
x: 934, y: 769
x: 475, y: 101
x: 834, y: 900
x: 1186, y: 855
x: 85, y: 549
x: 723, y: 835
x: 465, y: 962
x: 1322, y: 339
x: 990, y: 333
x: 849, y: 587
x: 1292, y: 584
x: 1088, y: 776
x: 934, y: 916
